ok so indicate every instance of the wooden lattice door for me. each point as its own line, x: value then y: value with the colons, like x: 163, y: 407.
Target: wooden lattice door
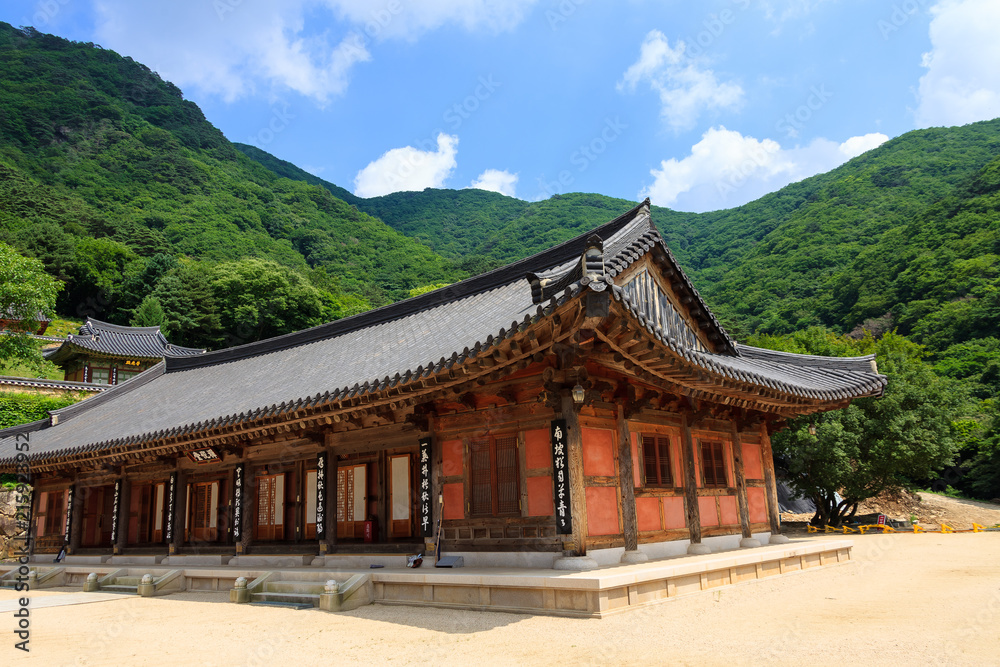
x: 352, y: 501
x: 98, y: 505
x: 270, y: 506
x: 203, y: 499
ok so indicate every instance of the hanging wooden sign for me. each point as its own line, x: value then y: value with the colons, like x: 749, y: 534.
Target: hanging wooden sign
x: 321, y: 496
x: 560, y: 478
x: 171, y: 500
x: 203, y: 455
x: 69, y: 514
x: 426, y: 521
x: 114, y: 512
x: 238, y: 503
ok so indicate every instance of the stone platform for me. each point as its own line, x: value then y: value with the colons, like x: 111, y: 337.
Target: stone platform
x: 595, y: 593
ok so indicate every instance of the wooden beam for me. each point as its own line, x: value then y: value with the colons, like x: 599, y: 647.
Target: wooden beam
x: 690, y: 482
x: 741, y: 482
x: 577, y: 491
x: 630, y: 525
x: 770, y: 483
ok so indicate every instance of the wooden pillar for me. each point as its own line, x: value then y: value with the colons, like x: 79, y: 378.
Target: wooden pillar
x: 332, y: 489
x: 31, y: 534
x: 690, y: 482
x: 741, y: 483
x: 382, y: 505
x: 577, y: 489
x: 630, y: 526
x: 773, y: 516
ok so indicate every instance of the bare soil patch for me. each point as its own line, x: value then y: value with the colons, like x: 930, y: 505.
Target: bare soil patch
x: 929, y: 509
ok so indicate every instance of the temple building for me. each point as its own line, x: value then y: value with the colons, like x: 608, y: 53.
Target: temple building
x: 579, y: 406
x: 105, y: 353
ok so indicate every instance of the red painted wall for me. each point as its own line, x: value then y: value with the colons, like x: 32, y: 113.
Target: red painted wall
x: 756, y: 499
x: 538, y: 449
x: 709, y: 514
x: 647, y: 511
x: 730, y: 513
x: 598, y: 452
x: 673, y: 513
x: 540, y: 498
x: 602, y: 510
x: 454, y: 501
x: 451, y: 460
x: 752, y: 466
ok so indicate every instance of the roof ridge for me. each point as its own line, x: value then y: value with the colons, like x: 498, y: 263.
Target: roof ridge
x: 119, y: 328
x: 478, y: 284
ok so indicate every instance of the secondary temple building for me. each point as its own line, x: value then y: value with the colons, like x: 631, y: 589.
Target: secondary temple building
x: 105, y: 353
x: 578, y: 407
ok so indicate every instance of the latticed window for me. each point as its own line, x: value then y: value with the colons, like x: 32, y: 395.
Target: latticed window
x: 656, y: 461
x: 495, y: 473
x: 713, y: 464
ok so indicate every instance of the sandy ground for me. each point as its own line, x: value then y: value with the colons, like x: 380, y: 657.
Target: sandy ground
x: 905, y: 600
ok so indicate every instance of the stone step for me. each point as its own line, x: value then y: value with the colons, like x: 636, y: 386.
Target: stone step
x: 118, y: 588
x: 128, y: 581
x: 290, y: 605
x: 300, y: 598
x: 310, y: 587
x: 316, y: 577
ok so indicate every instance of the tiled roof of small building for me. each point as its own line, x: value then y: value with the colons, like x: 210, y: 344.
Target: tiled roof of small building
x: 405, y: 342
x: 106, y: 339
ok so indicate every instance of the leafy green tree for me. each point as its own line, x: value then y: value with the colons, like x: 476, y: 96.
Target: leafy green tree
x: 873, y: 445
x: 149, y: 313
x: 26, y: 292
x: 260, y: 299
x: 189, y: 305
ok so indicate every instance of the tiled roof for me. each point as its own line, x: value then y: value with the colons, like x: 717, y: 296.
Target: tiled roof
x: 389, y: 347
x: 98, y: 337
x: 42, y: 383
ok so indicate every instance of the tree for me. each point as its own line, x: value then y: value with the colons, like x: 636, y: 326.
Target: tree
x: 149, y: 313
x: 874, y: 445
x: 26, y: 292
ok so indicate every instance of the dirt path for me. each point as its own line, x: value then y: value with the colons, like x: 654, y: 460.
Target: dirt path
x: 906, y: 600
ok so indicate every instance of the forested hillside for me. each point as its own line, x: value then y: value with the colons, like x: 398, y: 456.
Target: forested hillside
x: 125, y: 191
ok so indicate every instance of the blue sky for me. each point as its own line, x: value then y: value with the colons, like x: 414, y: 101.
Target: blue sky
x: 698, y: 105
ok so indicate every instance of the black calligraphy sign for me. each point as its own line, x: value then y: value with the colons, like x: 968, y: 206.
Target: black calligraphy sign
x: 171, y: 499
x: 114, y: 512
x: 426, y: 521
x: 321, y: 496
x: 560, y: 478
x: 69, y: 514
x: 238, y: 502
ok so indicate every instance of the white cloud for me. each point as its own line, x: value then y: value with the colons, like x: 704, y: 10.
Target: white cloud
x: 408, y: 168
x: 411, y: 18
x: 855, y: 146
x: 495, y: 180
x: 962, y: 83
x: 686, y: 89
x: 728, y: 169
x: 233, y: 48
x: 228, y: 47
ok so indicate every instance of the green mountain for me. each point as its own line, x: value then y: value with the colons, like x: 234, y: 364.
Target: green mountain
x: 904, y: 236
x: 103, y: 165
